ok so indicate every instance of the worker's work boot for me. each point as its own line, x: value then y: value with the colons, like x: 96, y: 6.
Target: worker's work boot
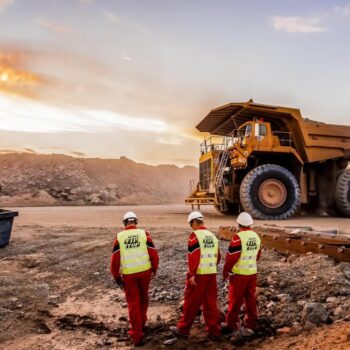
x: 247, y: 332
x: 235, y: 336
x: 225, y: 329
x: 177, y: 333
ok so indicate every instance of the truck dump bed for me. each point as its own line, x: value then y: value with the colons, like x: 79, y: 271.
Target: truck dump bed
x: 314, y: 141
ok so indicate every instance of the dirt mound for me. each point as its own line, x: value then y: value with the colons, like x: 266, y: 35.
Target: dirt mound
x: 35, y: 180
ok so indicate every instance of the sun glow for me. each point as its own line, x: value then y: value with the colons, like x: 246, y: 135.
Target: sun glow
x: 17, y: 77
x: 4, y: 77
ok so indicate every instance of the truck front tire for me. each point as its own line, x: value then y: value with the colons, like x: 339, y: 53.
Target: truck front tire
x: 342, y: 193
x: 270, y: 192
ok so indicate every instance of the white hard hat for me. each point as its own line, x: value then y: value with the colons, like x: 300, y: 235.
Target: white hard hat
x: 130, y: 215
x: 245, y: 219
x: 195, y: 215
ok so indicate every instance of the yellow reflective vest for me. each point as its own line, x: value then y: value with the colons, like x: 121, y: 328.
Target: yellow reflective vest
x: 246, y: 265
x: 209, y: 247
x: 134, y: 255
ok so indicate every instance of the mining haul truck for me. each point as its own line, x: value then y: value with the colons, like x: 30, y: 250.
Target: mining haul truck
x: 270, y: 162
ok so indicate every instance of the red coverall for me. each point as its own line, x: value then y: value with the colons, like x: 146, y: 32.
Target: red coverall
x: 203, y: 294
x: 242, y: 288
x: 136, y: 288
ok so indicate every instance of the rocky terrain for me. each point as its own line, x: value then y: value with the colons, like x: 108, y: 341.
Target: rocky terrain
x: 44, y: 180
x: 296, y: 294
x: 56, y: 290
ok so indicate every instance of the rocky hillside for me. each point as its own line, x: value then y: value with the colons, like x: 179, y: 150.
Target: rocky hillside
x: 28, y: 179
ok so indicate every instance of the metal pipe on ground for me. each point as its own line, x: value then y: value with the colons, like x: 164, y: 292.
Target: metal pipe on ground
x: 285, y: 241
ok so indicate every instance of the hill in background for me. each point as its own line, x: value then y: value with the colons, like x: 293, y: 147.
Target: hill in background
x: 32, y: 179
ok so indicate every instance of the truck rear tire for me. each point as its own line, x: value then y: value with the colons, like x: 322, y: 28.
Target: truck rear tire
x: 270, y: 192
x: 342, y: 193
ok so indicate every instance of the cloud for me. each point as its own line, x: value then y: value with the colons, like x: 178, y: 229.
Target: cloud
x: 15, y: 78
x: 44, y: 128
x: 298, y: 24
x: 54, y: 27
x: 50, y: 119
x: 71, y: 83
x: 342, y: 11
x: 78, y: 154
x: 17, y: 150
x: 113, y: 144
x: 126, y: 24
x: 111, y: 16
x: 125, y: 56
x: 7, y: 151
x: 54, y: 76
x: 4, y: 4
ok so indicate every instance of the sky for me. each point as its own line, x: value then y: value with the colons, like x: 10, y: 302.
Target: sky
x: 111, y: 78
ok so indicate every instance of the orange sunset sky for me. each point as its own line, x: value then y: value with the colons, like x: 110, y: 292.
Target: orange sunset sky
x: 110, y: 78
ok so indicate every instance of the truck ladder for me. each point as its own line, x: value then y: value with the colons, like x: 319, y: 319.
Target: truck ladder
x: 219, y: 180
x: 221, y: 168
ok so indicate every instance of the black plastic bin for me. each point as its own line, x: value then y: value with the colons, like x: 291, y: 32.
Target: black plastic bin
x: 6, y: 221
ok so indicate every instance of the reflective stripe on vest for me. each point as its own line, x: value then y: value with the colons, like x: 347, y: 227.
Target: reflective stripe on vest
x: 209, y: 246
x: 246, y: 265
x: 133, y: 251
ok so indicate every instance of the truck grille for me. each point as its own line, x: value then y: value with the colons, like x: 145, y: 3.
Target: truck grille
x: 205, y: 175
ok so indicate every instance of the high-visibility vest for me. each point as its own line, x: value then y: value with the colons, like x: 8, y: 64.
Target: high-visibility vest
x: 209, y: 247
x: 134, y: 255
x: 246, y: 265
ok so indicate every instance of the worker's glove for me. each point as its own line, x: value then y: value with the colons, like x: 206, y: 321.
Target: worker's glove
x: 120, y: 283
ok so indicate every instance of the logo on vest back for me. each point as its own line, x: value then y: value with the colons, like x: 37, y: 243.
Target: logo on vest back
x: 132, y: 242
x: 208, y: 242
x: 252, y: 244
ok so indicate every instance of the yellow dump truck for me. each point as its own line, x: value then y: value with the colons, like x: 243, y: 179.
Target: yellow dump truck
x: 269, y: 161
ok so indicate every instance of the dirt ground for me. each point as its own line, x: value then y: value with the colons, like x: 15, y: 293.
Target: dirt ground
x: 56, y: 291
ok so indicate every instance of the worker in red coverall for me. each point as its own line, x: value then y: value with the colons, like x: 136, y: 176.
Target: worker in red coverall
x: 241, y: 264
x: 134, y: 260
x: 201, y: 284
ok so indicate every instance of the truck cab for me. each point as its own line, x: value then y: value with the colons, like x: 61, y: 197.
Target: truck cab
x: 251, y: 136
x: 256, y: 132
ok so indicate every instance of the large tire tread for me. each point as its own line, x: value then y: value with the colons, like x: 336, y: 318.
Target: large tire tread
x: 246, y: 198
x: 342, y: 189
